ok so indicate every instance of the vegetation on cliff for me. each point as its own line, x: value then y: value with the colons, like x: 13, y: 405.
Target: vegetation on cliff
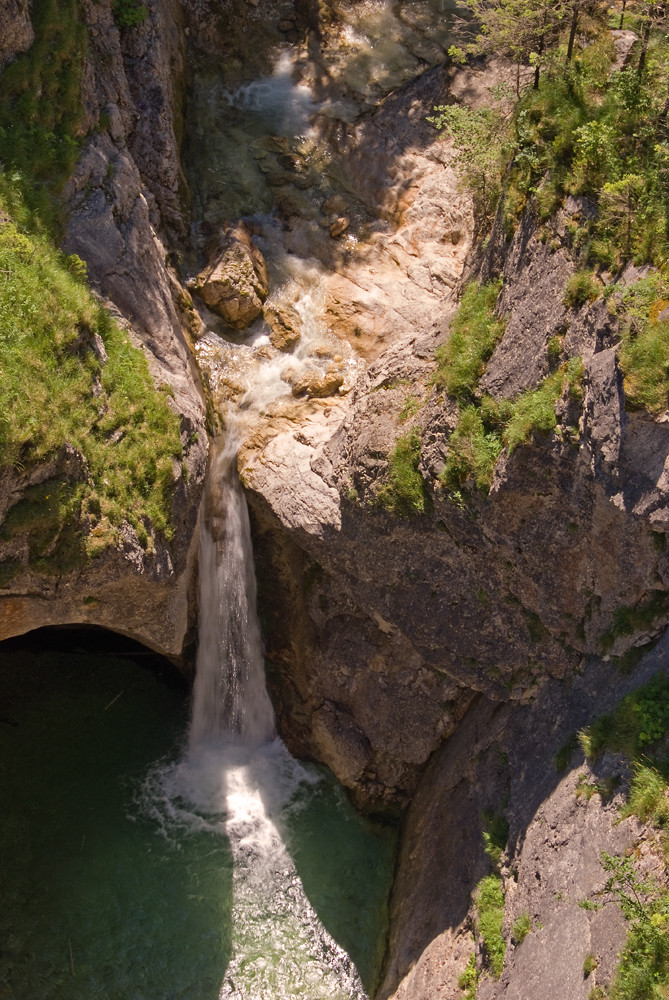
x: 70, y: 376
x: 584, y: 129
x: 638, y: 728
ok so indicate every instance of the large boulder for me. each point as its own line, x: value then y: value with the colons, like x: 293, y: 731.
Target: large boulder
x: 235, y: 284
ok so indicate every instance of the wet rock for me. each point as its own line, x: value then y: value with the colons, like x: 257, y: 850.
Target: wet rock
x: 284, y: 324
x: 235, y: 282
x: 317, y: 385
x: 339, y: 226
x: 334, y: 205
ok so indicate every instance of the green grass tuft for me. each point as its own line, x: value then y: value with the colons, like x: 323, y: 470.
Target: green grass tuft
x: 404, y: 493
x: 490, y: 918
x: 522, y: 926
x: 474, y: 333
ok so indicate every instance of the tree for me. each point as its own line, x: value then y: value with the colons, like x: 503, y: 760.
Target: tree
x: 520, y: 29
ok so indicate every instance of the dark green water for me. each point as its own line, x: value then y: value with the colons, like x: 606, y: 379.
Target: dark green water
x: 97, y: 901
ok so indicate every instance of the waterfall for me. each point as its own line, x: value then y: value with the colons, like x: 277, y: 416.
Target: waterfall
x: 229, y: 695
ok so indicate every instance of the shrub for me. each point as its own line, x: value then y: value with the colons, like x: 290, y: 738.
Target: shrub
x: 129, y: 13
x: 589, y: 964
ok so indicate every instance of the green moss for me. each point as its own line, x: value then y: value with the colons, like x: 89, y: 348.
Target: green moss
x: 474, y: 332
x: 404, y: 493
x: 54, y: 390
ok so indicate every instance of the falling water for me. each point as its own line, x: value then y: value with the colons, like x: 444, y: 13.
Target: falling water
x: 229, y: 697
x: 236, y: 780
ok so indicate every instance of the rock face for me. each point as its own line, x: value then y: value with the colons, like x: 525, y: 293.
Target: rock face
x: 126, y: 198
x: 502, y: 759
x: 392, y: 624
x: 16, y: 30
x: 235, y: 284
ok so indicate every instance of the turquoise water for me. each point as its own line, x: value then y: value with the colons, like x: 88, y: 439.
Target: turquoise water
x: 108, y: 893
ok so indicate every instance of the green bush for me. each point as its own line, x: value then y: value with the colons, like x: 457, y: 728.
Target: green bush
x: 129, y: 13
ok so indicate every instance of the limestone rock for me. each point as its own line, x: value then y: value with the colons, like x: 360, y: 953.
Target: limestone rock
x: 317, y: 385
x: 284, y: 324
x: 235, y: 284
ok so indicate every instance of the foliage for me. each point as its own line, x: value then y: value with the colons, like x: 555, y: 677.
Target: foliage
x: 647, y: 796
x: 490, y: 917
x: 639, y: 721
x: 534, y: 410
x: 643, y: 973
x: 469, y: 979
x: 478, y: 136
x: 41, y: 113
x: 565, y: 753
x: 405, y: 492
x: 589, y: 964
x: 474, y: 333
x: 580, y: 288
x: 129, y: 13
x: 57, y: 388
x: 495, y: 834
x: 486, y: 425
x: 472, y: 452
x: 522, y: 926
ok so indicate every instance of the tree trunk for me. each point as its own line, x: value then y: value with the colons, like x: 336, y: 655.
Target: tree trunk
x: 622, y: 15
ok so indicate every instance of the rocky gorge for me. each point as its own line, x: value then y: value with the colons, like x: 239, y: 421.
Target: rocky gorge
x: 435, y: 658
